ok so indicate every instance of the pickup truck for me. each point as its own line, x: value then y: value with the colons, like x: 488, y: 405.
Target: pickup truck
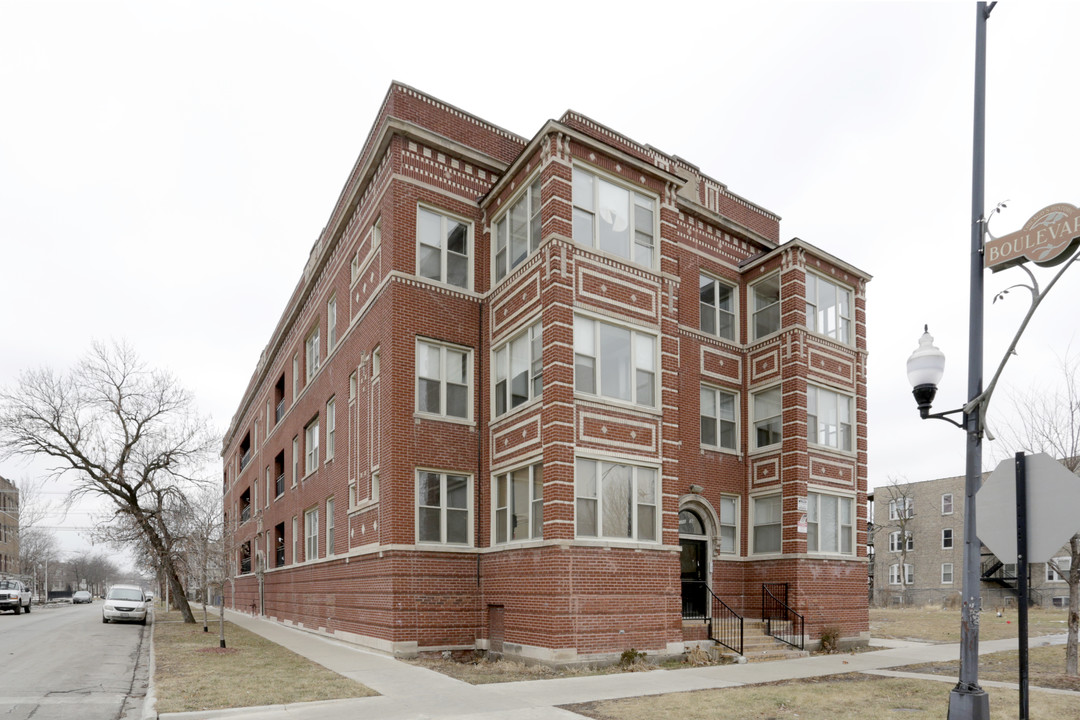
x: 14, y: 595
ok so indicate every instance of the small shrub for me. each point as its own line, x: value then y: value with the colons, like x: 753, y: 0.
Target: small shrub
x: 830, y: 639
x: 631, y: 657
x: 698, y: 657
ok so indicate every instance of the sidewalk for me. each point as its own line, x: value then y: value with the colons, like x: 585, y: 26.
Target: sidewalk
x: 408, y: 692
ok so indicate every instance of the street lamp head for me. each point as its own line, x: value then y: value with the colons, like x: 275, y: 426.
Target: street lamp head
x: 924, y: 370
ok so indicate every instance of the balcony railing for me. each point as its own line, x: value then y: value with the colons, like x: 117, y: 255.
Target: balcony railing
x: 279, y: 411
x: 244, y: 460
x: 245, y: 513
x: 279, y: 486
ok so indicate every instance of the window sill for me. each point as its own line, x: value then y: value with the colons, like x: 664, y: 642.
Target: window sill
x: 362, y: 506
x: 832, y: 450
x: 612, y: 402
x: 522, y: 408
x: 720, y: 450
x: 420, y: 415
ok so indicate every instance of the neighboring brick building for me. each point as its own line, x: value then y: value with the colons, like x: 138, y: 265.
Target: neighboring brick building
x: 918, y: 553
x: 9, y: 527
x: 520, y: 378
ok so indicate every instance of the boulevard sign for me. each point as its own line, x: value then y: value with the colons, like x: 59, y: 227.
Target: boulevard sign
x: 1045, y: 239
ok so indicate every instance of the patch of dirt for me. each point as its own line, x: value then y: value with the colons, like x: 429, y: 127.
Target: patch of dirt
x: 218, y: 650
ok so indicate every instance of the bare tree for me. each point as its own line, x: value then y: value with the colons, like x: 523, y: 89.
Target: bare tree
x: 1047, y: 420
x: 901, y: 505
x: 120, y: 431
x: 37, y: 545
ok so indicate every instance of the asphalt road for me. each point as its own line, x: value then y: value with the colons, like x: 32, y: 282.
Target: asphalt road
x: 62, y: 663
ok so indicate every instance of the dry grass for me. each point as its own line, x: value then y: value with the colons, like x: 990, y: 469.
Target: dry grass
x: 482, y: 671
x: 1045, y: 666
x: 937, y: 625
x: 192, y: 673
x: 841, y: 697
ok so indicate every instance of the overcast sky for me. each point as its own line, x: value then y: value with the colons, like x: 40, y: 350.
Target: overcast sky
x: 165, y: 167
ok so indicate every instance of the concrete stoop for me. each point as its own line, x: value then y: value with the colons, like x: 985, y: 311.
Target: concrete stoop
x: 759, y: 647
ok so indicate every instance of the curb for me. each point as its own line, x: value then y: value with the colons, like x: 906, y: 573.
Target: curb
x: 149, y: 708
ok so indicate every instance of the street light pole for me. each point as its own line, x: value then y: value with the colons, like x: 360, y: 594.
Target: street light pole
x: 968, y: 701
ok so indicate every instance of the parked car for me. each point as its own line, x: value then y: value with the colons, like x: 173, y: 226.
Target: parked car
x: 14, y: 595
x: 125, y: 602
x: 81, y: 597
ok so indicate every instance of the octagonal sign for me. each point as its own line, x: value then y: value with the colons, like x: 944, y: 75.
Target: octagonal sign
x: 1053, y: 496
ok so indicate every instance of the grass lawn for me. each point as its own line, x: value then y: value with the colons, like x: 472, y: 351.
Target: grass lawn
x: 937, y: 625
x: 193, y: 673
x: 1045, y: 668
x: 840, y: 697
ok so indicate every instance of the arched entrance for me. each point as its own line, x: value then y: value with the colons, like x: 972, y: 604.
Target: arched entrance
x: 694, y: 560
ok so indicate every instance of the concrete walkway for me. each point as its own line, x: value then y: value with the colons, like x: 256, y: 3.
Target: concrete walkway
x: 408, y: 692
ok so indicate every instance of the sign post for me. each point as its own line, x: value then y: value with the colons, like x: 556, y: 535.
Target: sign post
x: 1022, y: 577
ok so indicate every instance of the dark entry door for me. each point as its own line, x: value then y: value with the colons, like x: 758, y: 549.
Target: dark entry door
x: 694, y: 588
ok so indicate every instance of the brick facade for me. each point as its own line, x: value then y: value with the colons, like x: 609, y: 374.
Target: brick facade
x: 427, y: 555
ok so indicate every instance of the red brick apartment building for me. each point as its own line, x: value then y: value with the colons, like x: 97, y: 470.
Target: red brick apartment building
x: 550, y: 397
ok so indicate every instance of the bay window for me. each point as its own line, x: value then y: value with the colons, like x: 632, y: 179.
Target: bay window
x: 517, y: 233
x: 616, y: 500
x: 830, y: 524
x: 828, y: 308
x: 519, y: 504
x: 717, y: 304
x: 518, y: 369
x: 443, y: 508
x: 768, y: 417
x: 765, y: 307
x: 828, y: 418
x: 613, y: 218
x: 767, y: 520
x: 614, y: 362
x: 718, y: 428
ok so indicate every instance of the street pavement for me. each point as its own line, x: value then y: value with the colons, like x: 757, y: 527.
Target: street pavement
x: 408, y: 692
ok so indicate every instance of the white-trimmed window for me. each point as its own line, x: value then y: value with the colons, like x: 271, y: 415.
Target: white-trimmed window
x: 311, y: 534
x: 443, y: 251
x: 717, y: 302
x: 765, y: 306
x: 946, y: 573
x: 767, y: 517
x: 443, y: 385
x: 614, y: 361
x: 331, y: 323
x: 329, y: 527
x: 519, y: 504
x: 374, y: 487
x: 894, y: 575
x: 311, y: 353
x: 376, y: 234
x: 718, y: 418
x: 616, y: 500
x: 828, y: 308
x: 729, y: 524
x: 828, y: 418
x: 909, y: 574
x: 295, y: 376
x: 331, y: 425
x: 946, y: 539
x: 1063, y: 563
x: 517, y: 232
x: 768, y: 417
x: 295, y: 535
x: 311, y: 447
x: 352, y: 385
x: 830, y: 524
x: 444, y: 508
x: 614, y: 218
x: 901, y: 508
x: 518, y: 370
x: 947, y: 504
x: 897, y: 545
x: 295, y: 459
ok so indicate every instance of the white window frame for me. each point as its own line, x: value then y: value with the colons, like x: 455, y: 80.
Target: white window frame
x: 311, y: 354
x: 331, y: 426
x: 587, y: 214
x: 331, y: 323
x: 295, y: 459
x: 295, y: 376
x: 715, y: 309
x: 894, y: 514
x: 443, y: 509
x: 590, y: 499
x: 503, y: 366
x: 295, y: 534
x: 727, y: 513
x: 755, y: 501
x: 894, y: 575
x: 422, y: 345
x: 895, y: 544
x: 352, y: 386
x: 947, y: 504
x: 504, y: 498
x: 947, y: 573
x: 528, y: 201
x: 947, y: 541
x: 1064, y: 563
x: 759, y: 423
x: 311, y: 534
x: 909, y: 574
x: 719, y: 420
x: 840, y: 436
x: 590, y: 356
x: 842, y: 532
x: 311, y: 447
x: 760, y: 310
x: 447, y: 222
x: 832, y: 323
x: 329, y: 526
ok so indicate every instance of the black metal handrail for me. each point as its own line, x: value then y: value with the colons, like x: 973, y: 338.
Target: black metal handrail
x: 781, y: 622
x: 279, y: 411
x: 725, y: 626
